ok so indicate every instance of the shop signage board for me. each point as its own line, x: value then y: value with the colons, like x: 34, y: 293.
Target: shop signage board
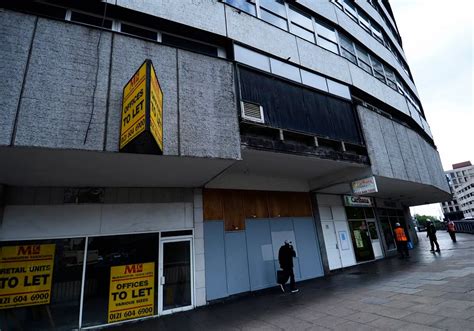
x: 356, y: 201
x: 131, y: 291
x: 364, y: 186
x: 141, y: 126
x: 26, y: 273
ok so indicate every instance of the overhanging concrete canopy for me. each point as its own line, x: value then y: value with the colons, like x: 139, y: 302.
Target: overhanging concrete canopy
x: 54, y: 167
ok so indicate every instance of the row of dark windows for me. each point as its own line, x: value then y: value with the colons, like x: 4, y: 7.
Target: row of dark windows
x: 289, y: 18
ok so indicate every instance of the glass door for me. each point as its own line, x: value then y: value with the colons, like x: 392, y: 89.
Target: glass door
x: 176, y: 276
x: 361, y: 241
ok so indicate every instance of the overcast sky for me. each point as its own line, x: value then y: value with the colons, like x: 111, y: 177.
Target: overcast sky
x: 437, y: 39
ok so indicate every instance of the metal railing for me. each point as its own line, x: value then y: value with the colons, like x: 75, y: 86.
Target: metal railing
x: 464, y: 226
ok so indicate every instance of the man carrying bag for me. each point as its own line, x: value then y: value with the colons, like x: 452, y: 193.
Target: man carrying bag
x: 285, y: 257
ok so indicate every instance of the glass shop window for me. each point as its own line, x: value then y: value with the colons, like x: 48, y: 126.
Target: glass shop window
x: 243, y: 5
x: 121, y: 278
x: 41, y: 284
x: 274, y: 12
x: 388, y: 233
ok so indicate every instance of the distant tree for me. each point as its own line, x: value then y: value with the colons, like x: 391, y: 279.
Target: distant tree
x: 423, y: 219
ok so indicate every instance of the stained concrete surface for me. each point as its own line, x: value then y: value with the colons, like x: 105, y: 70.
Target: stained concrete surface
x: 429, y: 291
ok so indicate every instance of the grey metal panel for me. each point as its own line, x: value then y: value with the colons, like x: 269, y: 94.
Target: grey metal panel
x: 323, y: 61
x: 376, y: 88
x: 16, y: 32
x: 309, y: 254
x: 57, y: 100
x: 128, y: 54
x: 237, y: 267
x: 202, y: 14
x: 214, y: 251
x: 324, y: 8
x: 376, y: 148
x: 261, y: 35
x: 262, y: 272
x: 393, y: 148
x: 208, y: 107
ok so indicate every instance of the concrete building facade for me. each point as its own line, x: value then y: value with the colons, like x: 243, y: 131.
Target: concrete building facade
x: 282, y: 120
x: 461, y: 181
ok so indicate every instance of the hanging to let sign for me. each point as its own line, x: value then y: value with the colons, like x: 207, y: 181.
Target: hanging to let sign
x: 141, y: 127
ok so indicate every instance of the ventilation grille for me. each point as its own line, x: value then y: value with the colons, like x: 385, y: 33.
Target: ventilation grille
x: 252, y: 112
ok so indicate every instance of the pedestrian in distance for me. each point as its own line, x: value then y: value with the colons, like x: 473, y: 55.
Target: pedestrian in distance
x: 402, y: 241
x: 431, y: 233
x: 285, y: 258
x: 452, y: 230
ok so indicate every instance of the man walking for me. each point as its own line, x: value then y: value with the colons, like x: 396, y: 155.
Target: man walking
x: 402, y: 241
x: 431, y: 233
x: 452, y: 230
x: 285, y: 257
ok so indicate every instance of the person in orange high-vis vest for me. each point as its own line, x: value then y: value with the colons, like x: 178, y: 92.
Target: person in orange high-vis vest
x: 402, y: 241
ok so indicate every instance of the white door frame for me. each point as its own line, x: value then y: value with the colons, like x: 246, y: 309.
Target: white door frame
x: 161, y: 278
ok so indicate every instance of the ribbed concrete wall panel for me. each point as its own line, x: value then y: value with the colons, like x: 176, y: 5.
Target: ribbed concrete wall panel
x: 373, y: 86
x: 417, y: 149
x: 323, y: 61
x: 16, y: 31
x: 398, y: 152
x: 261, y: 35
x: 374, y: 139
x: 128, y: 54
x: 208, y: 108
x: 323, y: 8
x: 407, y: 153
x: 57, y: 107
x: 393, y: 148
x: 202, y: 14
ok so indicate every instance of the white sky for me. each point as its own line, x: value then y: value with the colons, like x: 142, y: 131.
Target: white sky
x: 438, y: 42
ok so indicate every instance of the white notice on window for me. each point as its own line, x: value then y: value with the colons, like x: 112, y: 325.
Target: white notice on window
x: 344, y: 240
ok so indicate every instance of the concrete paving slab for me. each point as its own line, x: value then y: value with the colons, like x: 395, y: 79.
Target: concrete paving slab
x: 428, y: 292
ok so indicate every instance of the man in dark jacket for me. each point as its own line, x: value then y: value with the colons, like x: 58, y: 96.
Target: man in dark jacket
x: 431, y: 233
x: 285, y: 257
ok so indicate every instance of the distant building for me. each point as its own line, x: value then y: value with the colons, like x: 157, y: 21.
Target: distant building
x: 271, y: 120
x: 461, y: 181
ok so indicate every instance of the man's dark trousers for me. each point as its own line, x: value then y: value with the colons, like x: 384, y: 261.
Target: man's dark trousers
x: 289, y: 272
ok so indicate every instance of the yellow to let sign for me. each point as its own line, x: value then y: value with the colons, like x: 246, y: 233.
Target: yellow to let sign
x: 156, y: 109
x: 134, y: 106
x: 131, y: 293
x: 26, y: 273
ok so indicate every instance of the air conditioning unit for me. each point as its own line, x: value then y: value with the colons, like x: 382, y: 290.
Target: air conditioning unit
x: 252, y: 112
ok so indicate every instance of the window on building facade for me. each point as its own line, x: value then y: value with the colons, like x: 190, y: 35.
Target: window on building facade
x: 350, y: 9
x: 91, y: 20
x: 364, y: 61
x: 326, y: 37
x: 301, y: 24
x: 137, y: 31
x: 274, y: 12
x: 378, y: 69
x: 347, y: 48
x: 364, y: 21
x: 243, y: 5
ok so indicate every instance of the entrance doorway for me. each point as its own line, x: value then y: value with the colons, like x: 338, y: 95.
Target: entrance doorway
x: 176, y: 281
x: 361, y: 241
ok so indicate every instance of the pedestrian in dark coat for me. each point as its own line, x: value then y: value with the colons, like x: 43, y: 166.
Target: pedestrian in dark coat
x: 285, y: 257
x: 431, y: 233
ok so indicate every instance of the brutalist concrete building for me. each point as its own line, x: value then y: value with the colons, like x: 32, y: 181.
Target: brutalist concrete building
x: 251, y: 123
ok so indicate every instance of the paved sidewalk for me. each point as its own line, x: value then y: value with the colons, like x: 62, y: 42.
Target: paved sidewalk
x: 430, y: 291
